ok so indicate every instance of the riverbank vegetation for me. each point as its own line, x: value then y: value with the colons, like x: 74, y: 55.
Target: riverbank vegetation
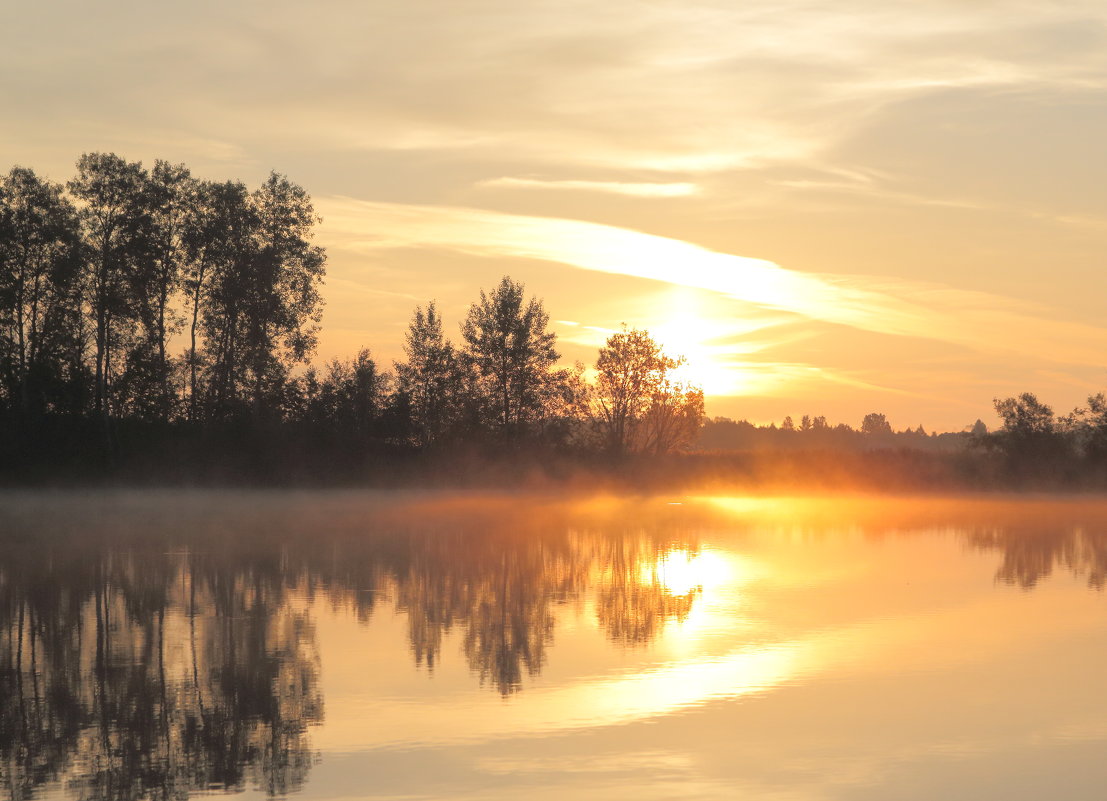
x: 159, y: 328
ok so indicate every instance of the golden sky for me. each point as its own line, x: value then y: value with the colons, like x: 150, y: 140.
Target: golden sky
x: 830, y: 208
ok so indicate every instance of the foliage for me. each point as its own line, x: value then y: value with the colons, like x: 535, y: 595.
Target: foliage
x: 432, y: 381
x: 636, y: 404
x: 512, y: 353
x: 875, y: 424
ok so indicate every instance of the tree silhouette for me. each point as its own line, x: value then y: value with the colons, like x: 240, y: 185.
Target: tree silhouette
x: 431, y: 380
x: 637, y: 404
x: 875, y: 424
x: 38, y: 285
x: 159, y: 252
x: 108, y: 189
x: 630, y: 369
x: 507, y: 343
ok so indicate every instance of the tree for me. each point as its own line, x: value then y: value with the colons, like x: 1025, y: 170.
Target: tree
x: 108, y: 188
x: 260, y: 298
x: 431, y: 379
x: 351, y: 397
x: 160, y: 248
x: 1029, y: 429
x: 282, y: 302
x: 674, y: 417
x: 630, y: 369
x: 787, y: 424
x: 1088, y: 428
x: 507, y: 343
x: 217, y: 246
x: 875, y: 424
x: 637, y: 404
x: 38, y: 259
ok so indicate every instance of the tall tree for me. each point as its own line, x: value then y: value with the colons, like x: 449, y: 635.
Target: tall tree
x: 261, y: 304
x: 282, y: 302
x: 217, y: 247
x: 431, y: 378
x: 159, y: 248
x: 875, y: 424
x: 507, y: 343
x: 638, y: 404
x: 108, y: 189
x: 38, y: 249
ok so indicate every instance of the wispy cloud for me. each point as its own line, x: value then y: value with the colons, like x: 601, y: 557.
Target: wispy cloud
x: 678, y: 189
x: 983, y: 321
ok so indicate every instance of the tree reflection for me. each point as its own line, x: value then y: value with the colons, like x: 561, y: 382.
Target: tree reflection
x: 632, y: 600
x: 144, y: 653
x: 1031, y: 554
x: 161, y: 679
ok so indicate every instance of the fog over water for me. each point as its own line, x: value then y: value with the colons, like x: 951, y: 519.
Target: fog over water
x: 356, y: 644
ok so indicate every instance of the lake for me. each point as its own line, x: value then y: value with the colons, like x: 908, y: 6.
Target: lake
x: 340, y: 645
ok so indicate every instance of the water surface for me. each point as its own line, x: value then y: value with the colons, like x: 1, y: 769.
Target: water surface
x: 339, y: 645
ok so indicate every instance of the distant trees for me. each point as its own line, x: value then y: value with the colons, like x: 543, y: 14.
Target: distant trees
x: 1029, y: 428
x: 136, y: 301
x: 875, y: 423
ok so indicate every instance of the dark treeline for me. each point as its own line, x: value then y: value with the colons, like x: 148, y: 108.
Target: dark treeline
x: 153, y: 324
x: 155, y: 327
x: 815, y: 433
x: 1035, y: 445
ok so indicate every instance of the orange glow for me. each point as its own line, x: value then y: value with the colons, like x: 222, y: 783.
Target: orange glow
x: 681, y: 571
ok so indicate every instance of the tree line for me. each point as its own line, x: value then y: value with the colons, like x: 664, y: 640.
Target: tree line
x: 141, y: 303
x: 1035, y: 440
x: 98, y: 276
x: 815, y: 432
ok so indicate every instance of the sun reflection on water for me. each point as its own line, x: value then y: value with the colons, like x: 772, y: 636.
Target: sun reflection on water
x: 681, y: 571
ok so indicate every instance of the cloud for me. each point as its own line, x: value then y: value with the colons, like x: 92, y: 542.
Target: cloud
x: 615, y: 187
x: 978, y: 320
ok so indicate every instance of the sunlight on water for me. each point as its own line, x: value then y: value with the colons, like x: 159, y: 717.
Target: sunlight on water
x: 359, y: 645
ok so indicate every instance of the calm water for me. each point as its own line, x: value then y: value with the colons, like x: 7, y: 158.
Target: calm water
x: 358, y: 645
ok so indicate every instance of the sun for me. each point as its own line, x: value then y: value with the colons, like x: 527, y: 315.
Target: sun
x: 686, y: 330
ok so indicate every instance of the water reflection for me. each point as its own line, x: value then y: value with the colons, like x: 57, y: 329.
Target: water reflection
x: 154, y: 646
x: 164, y: 674
x: 1031, y: 554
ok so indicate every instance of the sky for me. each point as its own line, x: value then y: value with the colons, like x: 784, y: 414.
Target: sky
x: 830, y: 208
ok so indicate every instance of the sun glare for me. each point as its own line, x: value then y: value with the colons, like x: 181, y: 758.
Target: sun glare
x: 681, y: 571
x: 686, y: 331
